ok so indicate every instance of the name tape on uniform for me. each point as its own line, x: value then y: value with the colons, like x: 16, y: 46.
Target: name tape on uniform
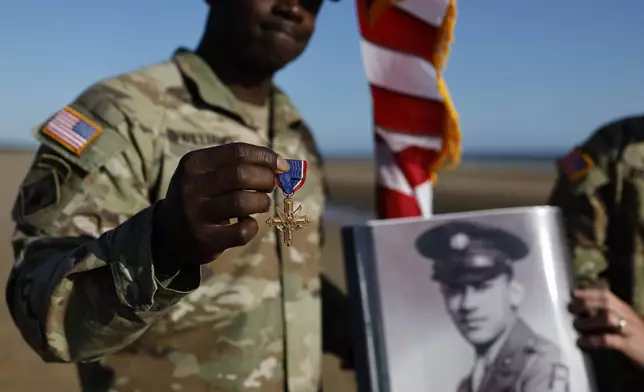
x: 72, y: 130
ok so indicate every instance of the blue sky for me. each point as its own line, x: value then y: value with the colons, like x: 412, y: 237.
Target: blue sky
x: 525, y: 75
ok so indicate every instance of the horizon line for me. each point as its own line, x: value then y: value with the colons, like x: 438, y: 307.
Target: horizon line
x: 509, y: 153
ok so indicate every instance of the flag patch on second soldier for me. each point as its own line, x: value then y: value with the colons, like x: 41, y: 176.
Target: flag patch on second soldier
x: 576, y: 164
x: 71, y: 129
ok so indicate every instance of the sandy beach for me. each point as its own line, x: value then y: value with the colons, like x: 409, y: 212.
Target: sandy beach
x: 470, y: 187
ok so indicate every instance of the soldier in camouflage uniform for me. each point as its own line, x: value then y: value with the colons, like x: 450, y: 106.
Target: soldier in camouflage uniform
x: 141, y: 244
x: 474, y: 265
x: 600, y: 191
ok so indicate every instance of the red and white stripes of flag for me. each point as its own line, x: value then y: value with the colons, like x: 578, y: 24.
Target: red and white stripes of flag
x: 404, y: 45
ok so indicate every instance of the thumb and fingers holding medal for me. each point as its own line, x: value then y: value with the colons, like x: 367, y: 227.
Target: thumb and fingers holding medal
x: 210, y: 187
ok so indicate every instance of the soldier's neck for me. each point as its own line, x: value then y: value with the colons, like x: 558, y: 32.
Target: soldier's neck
x: 482, y: 349
x: 246, y: 83
x: 492, y: 348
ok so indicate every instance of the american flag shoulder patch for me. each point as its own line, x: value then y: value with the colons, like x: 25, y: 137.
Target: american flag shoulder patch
x: 72, y: 130
x: 576, y: 164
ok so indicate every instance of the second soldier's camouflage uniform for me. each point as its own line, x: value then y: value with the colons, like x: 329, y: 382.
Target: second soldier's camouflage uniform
x: 84, y: 288
x: 600, y: 191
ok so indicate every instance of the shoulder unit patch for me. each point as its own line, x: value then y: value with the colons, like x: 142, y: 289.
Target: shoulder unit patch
x: 576, y: 164
x: 72, y: 130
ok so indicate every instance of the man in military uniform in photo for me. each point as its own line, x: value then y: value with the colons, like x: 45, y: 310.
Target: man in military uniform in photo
x: 474, y: 265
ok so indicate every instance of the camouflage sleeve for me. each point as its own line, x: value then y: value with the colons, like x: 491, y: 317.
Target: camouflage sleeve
x: 83, y: 284
x: 582, y: 194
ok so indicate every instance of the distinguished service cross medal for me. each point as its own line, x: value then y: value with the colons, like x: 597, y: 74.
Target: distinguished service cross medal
x: 290, y: 219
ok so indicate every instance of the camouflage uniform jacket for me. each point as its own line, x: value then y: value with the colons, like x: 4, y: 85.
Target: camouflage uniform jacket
x: 83, y: 288
x: 600, y: 191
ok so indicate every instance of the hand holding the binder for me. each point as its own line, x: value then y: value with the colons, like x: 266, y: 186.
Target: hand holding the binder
x: 606, y: 322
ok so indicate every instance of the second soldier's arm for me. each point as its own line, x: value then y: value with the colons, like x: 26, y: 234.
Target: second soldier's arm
x: 84, y: 284
x: 584, y: 203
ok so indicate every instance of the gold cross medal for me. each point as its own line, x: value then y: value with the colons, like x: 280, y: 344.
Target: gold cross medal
x: 288, y: 219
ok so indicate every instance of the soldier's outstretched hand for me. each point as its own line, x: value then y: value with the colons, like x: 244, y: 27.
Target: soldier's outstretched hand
x: 606, y: 322
x: 209, y: 188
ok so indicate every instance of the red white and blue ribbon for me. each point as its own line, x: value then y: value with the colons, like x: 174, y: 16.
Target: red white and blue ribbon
x: 293, y: 179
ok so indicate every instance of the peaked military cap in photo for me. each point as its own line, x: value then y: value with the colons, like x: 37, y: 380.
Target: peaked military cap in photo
x: 470, y: 253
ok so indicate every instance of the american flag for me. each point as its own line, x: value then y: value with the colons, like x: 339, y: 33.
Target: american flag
x: 405, y: 44
x: 72, y: 129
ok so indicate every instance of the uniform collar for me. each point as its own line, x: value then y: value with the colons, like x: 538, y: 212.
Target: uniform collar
x: 215, y: 93
x: 493, y: 352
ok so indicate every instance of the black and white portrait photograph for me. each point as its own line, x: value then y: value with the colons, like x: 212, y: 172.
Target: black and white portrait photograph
x: 471, y: 302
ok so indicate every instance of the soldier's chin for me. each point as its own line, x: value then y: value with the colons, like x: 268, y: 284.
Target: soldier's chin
x: 269, y: 64
x: 278, y: 54
x: 477, y: 336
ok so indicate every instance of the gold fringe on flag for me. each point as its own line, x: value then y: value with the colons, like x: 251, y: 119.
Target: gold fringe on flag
x: 450, y: 154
